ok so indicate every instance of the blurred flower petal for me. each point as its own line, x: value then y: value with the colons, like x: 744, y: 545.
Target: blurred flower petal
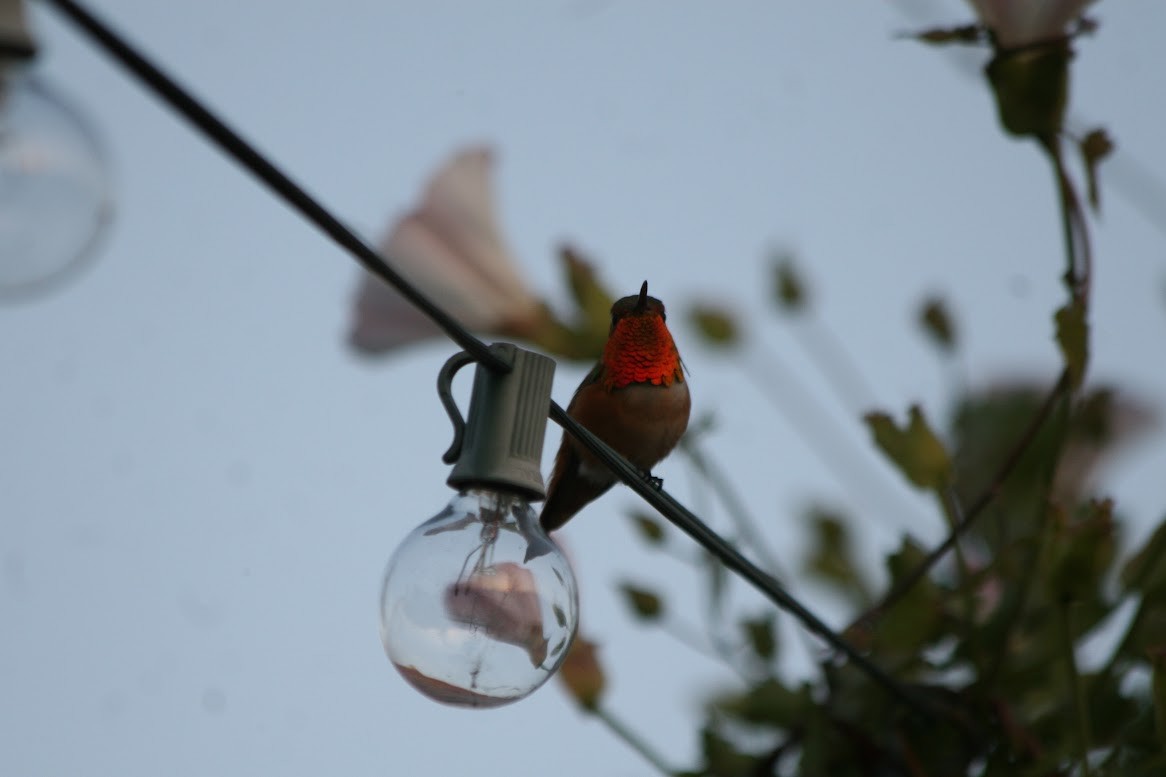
x: 582, y: 674
x: 503, y: 601
x: 451, y: 249
x: 1017, y: 23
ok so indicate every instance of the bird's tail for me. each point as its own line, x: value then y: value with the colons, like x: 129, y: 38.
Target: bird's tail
x: 569, y: 491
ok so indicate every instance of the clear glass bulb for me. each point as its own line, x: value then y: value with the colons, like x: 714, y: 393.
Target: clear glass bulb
x: 54, y: 184
x: 479, y: 606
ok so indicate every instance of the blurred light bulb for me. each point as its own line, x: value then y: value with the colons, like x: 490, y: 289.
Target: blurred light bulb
x: 479, y: 606
x: 54, y: 184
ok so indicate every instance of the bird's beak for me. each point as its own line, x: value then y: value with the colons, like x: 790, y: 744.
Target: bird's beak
x: 642, y: 302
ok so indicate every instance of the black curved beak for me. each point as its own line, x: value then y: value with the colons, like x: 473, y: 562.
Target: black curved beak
x: 642, y: 302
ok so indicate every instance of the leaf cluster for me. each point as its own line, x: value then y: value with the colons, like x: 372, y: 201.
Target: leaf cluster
x: 992, y: 639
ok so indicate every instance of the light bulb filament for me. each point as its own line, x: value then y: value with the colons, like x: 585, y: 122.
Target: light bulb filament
x: 484, y: 552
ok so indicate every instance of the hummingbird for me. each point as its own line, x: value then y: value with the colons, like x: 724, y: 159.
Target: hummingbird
x: 635, y: 399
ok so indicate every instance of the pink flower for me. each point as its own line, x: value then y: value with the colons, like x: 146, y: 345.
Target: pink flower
x: 1017, y: 23
x: 503, y: 601
x: 451, y: 248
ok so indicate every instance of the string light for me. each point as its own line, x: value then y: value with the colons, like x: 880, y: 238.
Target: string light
x: 55, y: 198
x: 294, y: 195
x: 479, y: 606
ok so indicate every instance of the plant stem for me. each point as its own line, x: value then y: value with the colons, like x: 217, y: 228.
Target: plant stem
x: 746, y: 527
x: 953, y: 511
x: 632, y: 739
x: 1078, y: 253
x: 1020, y: 599
x: 826, y: 350
x: 1075, y: 689
x: 1033, y: 563
x: 797, y: 404
x: 692, y: 639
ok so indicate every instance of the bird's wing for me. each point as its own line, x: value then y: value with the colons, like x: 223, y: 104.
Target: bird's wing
x: 592, y: 377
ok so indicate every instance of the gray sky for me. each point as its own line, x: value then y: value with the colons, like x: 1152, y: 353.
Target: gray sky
x: 199, y: 486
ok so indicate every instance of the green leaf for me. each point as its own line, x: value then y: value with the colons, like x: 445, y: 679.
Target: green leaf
x: 1147, y: 630
x: 946, y: 749
x: 1146, y: 570
x: 1111, y: 711
x: 937, y: 323
x: 645, y: 604
x: 1073, y: 339
x: 1158, y: 689
x: 1095, y: 147
x: 591, y: 297
x: 915, y: 449
x: 789, y: 290
x: 1145, y: 574
x: 650, y: 530
x: 916, y: 619
x: 1084, y: 549
x: 716, y: 325
x: 760, y: 632
x: 831, y: 557
x: 827, y: 751
x: 769, y: 703
x: 722, y: 758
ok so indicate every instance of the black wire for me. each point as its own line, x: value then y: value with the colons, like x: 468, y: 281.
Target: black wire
x: 682, y: 518
x: 258, y: 165
x: 250, y: 158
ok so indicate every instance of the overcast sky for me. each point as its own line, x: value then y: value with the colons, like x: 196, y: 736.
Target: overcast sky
x: 200, y: 485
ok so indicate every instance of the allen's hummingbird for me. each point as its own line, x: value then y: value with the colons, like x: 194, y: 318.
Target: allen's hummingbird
x: 635, y: 400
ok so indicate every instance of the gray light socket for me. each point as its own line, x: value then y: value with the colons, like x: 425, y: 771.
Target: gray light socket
x: 503, y: 444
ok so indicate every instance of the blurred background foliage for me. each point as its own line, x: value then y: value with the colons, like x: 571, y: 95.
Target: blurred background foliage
x: 1028, y: 643
x: 992, y: 636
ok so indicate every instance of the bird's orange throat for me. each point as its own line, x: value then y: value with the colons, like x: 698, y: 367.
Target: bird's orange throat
x: 640, y: 350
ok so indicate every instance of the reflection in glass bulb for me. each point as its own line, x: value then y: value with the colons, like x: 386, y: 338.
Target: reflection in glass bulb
x: 478, y: 606
x: 54, y: 185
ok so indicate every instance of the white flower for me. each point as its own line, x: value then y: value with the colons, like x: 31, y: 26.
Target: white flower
x: 451, y: 249
x: 1017, y: 23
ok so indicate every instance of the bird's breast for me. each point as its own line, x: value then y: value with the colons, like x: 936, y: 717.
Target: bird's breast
x: 641, y: 421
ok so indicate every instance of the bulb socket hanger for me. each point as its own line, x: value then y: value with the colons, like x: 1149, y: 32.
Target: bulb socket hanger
x: 16, y: 41
x: 501, y: 445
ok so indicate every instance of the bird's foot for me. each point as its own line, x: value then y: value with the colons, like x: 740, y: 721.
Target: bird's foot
x: 653, y: 481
